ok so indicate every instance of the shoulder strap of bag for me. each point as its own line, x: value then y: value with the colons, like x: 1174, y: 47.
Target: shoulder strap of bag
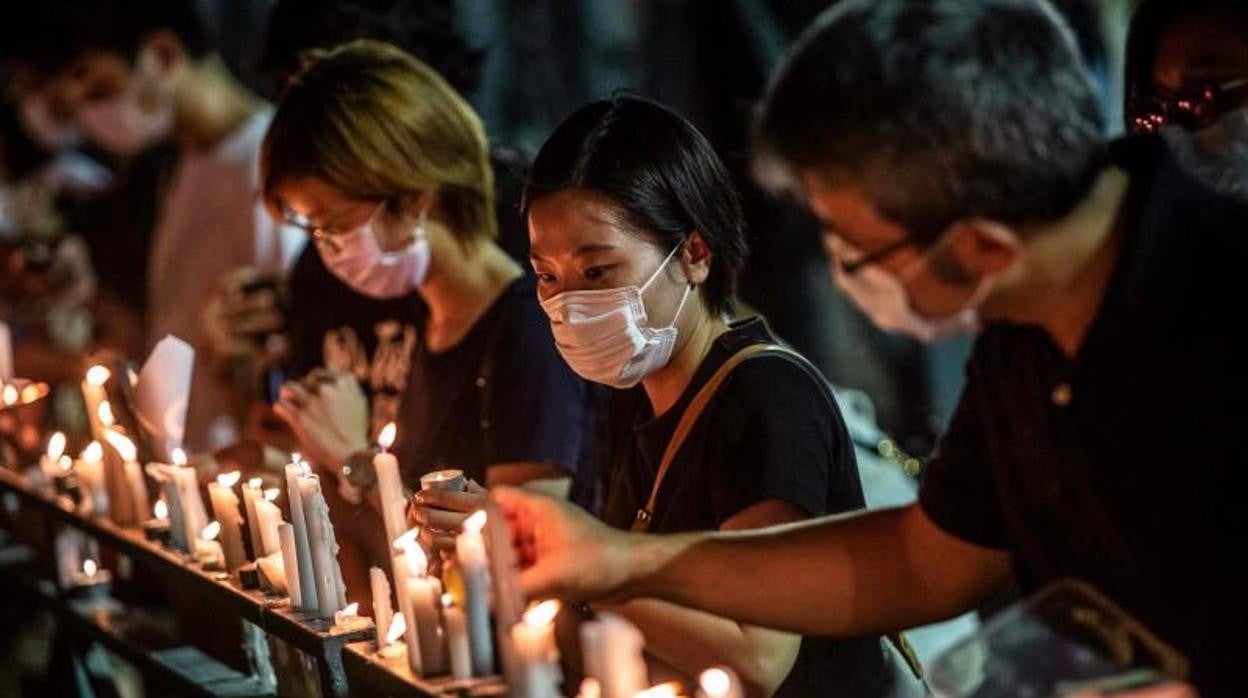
x: 690, y: 417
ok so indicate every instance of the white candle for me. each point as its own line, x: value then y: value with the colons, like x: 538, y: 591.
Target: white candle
x: 273, y: 569
x: 399, y: 566
x: 612, y: 649
x: 719, y: 682
x: 172, y: 500
x: 268, y: 518
x: 133, y: 473
x: 194, y: 515
x: 321, y: 543
x: 474, y: 566
x: 456, y: 638
x: 90, y: 469
x: 225, y: 509
x: 207, y: 550
x: 534, y: 641
x: 6, y: 353
x: 307, y: 577
x: 290, y: 563
x: 251, y: 492
x: 92, y: 395
x: 348, y: 615
x: 382, y: 612
x: 391, y: 647
x: 50, y: 461
x: 425, y: 595
x: 671, y: 689
x: 390, y: 486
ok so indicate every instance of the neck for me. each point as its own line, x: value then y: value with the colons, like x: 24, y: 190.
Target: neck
x: 461, y: 285
x: 1067, y: 266
x: 665, y: 386
x: 211, y: 104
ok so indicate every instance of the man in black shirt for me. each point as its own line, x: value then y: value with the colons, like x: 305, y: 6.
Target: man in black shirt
x: 954, y: 151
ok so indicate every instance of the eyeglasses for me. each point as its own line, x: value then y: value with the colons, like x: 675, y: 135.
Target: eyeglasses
x: 321, y: 234
x: 1192, y: 107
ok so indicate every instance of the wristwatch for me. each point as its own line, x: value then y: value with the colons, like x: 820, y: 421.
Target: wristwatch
x: 359, y: 470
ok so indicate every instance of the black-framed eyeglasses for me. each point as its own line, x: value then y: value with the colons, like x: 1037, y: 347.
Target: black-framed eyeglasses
x: 1192, y: 107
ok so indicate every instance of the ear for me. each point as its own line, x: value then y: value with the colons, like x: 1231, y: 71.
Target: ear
x: 986, y: 246
x: 164, y: 48
x: 426, y: 201
x: 695, y: 259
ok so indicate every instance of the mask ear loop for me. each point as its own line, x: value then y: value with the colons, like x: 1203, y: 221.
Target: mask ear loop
x: 662, y: 266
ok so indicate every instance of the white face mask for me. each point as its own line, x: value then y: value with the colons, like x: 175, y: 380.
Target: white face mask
x: 358, y: 260
x: 603, y: 334
x: 123, y: 124
x: 49, y: 132
x: 883, y: 298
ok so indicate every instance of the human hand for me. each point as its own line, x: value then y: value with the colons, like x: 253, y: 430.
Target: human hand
x: 562, y: 550
x: 328, y: 413
x: 441, y: 513
x: 245, y: 310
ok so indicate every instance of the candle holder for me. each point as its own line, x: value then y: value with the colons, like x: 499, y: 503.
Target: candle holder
x: 157, y: 531
x: 451, y: 480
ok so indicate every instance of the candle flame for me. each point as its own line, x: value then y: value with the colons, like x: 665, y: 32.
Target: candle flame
x: 93, y: 453
x: 161, y: 509
x: 542, y: 614
x: 295, y: 458
x: 89, y: 567
x: 417, y: 560
x: 124, y: 447
x: 590, y: 688
x: 229, y: 479
x: 386, y: 438
x: 211, y: 531
x: 474, y: 523
x: 398, y: 626
x: 10, y: 394
x: 33, y: 392
x: 402, y: 541
x: 105, y: 413
x: 350, y: 610
x: 448, y: 601
x: 715, y: 682
x: 670, y: 689
x: 134, y: 377
x: 272, y: 494
x: 178, y: 456
x: 255, y: 483
x: 98, y: 375
x: 56, y: 446
x: 66, y: 463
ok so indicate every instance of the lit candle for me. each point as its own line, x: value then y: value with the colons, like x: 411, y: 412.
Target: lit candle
x: 6, y: 353
x: 91, y: 574
x: 268, y: 518
x: 130, y: 468
x: 425, y: 600
x: 10, y: 395
x: 157, y: 529
x: 307, y: 577
x: 207, y: 549
x: 670, y: 689
x: 290, y: 563
x: 534, y: 640
x: 90, y: 469
x: 392, y: 647
x: 399, y: 567
x: 348, y: 615
x: 194, y: 515
x: 251, y: 492
x: 390, y: 486
x: 93, y: 395
x: 273, y: 569
x: 474, y: 565
x: 382, y: 612
x: 50, y: 462
x: 323, y: 546
x: 456, y: 638
x: 719, y: 682
x: 612, y: 649
x: 225, y: 508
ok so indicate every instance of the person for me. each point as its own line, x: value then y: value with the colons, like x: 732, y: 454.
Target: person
x: 1187, y: 69
x: 637, y: 238
x: 954, y: 151
x: 136, y: 73
x: 387, y: 167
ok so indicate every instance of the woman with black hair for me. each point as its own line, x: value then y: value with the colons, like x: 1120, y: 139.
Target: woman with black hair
x: 637, y: 239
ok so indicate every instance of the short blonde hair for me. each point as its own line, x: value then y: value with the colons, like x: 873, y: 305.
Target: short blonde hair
x: 376, y: 123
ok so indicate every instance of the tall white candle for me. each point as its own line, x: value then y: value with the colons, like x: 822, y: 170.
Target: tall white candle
x: 534, y: 641
x: 390, y: 486
x: 382, y: 612
x: 290, y: 563
x: 194, y: 515
x: 719, y: 682
x: 612, y: 649
x: 251, y: 492
x: 456, y: 638
x: 474, y: 566
x: 225, y: 508
x: 92, y: 395
x: 307, y: 577
x: 133, y: 474
x: 399, y: 566
x: 268, y: 518
x: 6, y: 353
x: 50, y: 461
x: 90, y: 469
x: 322, y: 544
x: 425, y: 595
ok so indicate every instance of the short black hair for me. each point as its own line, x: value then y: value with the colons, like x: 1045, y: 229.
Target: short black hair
x: 660, y: 171
x: 424, y: 29
x: 51, y: 34
x: 938, y: 110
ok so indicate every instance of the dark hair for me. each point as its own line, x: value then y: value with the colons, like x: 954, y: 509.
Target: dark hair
x: 1150, y: 19
x: 662, y: 174
x: 937, y: 110
x: 51, y: 34
x: 424, y: 29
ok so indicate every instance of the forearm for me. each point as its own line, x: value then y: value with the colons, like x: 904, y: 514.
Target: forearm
x: 690, y: 641
x: 856, y: 575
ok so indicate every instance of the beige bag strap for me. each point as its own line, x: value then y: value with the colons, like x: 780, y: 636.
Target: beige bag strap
x: 690, y: 417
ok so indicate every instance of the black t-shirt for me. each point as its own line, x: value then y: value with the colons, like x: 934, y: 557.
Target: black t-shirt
x: 772, y: 431
x: 1125, y: 466
x: 502, y: 394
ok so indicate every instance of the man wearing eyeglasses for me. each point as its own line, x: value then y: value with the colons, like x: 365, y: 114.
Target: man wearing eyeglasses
x: 954, y: 151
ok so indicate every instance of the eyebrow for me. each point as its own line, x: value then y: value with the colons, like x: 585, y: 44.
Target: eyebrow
x: 587, y: 248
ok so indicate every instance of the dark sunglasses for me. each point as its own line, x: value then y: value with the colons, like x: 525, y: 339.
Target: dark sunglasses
x: 1192, y: 107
